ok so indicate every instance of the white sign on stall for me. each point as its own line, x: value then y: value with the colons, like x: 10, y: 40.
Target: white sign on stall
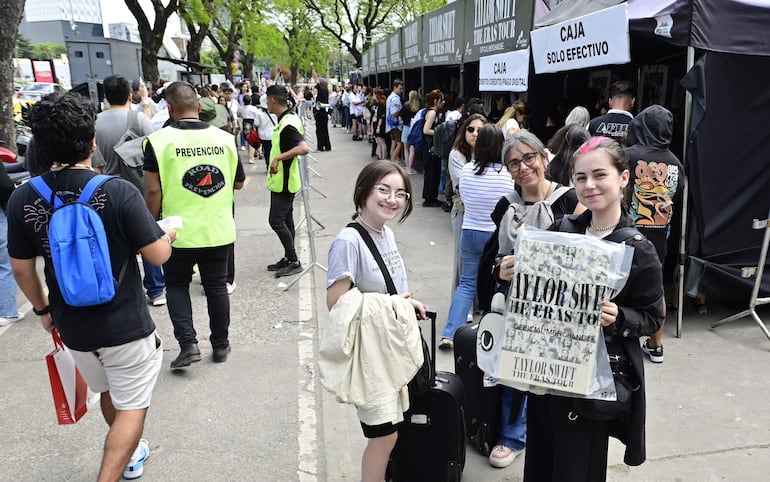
x: 506, y: 72
x: 600, y: 38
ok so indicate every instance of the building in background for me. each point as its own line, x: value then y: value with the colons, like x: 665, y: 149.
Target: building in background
x: 58, y: 21
x: 124, y: 31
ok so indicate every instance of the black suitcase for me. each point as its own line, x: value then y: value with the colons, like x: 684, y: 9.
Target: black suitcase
x: 431, y: 441
x: 481, y: 404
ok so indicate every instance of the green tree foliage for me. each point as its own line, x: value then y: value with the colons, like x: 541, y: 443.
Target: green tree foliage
x: 48, y: 50
x: 353, y: 23
x: 24, y: 49
x: 228, y: 23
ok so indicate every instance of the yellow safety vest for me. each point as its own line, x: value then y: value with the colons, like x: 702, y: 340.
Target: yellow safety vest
x: 197, y: 176
x: 277, y: 182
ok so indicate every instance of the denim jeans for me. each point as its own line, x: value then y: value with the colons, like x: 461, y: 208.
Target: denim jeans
x: 512, y: 435
x: 8, y: 286
x: 212, y: 263
x: 153, y: 279
x: 471, y: 247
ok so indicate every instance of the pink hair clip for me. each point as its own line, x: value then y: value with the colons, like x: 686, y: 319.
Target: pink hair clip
x: 592, y: 144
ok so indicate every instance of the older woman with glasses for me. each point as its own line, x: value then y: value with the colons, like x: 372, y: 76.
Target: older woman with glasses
x: 482, y: 182
x: 527, y: 162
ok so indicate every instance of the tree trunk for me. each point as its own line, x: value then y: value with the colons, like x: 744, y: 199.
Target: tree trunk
x: 9, y: 28
x: 248, y: 66
x: 196, y: 41
x: 151, y: 36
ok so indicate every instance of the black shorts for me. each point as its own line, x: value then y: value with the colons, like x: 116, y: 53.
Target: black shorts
x: 375, y: 431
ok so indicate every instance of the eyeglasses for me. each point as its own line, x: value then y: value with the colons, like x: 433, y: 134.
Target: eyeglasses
x: 385, y: 190
x: 471, y: 129
x: 515, y: 164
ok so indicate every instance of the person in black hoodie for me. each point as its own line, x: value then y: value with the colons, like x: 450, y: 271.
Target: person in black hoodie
x: 654, y: 188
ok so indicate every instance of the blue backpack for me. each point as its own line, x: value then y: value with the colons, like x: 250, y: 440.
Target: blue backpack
x: 416, y: 137
x: 79, y: 248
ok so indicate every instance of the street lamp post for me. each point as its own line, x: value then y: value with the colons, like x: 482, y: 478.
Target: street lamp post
x: 339, y: 74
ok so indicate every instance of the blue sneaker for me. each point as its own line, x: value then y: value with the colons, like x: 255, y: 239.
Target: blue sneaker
x: 135, y: 467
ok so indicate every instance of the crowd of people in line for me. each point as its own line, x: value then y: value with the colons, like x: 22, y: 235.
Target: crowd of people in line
x: 597, y: 175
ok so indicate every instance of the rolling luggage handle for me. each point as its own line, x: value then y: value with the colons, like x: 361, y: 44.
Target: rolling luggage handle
x: 432, y: 317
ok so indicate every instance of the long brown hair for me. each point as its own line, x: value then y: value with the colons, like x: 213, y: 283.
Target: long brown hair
x: 460, y: 143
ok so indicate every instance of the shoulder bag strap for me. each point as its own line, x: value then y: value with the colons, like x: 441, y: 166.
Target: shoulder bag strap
x: 377, y: 256
x: 624, y: 234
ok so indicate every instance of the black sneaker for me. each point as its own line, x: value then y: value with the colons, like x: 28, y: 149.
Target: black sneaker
x: 280, y: 264
x: 655, y: 354
x: 293, y: 267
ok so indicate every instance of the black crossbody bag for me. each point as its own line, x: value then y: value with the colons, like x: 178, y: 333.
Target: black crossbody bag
x: 423, y: 380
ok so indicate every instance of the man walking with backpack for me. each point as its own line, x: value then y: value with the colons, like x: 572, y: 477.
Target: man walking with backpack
x: 113, y: 343
x: 115, y: 126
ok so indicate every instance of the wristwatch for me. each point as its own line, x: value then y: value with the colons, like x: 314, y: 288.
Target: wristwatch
x: 44, y: 311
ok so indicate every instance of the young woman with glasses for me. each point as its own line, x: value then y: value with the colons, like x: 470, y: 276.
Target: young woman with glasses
x: 382, y: 193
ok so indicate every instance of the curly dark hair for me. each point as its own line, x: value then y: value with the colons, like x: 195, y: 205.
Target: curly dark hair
x: 63, y: 125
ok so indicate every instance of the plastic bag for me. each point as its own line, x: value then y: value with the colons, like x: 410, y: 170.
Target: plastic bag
x: 549, y: 339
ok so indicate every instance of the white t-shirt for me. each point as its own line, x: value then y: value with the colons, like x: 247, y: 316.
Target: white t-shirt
x: 349, y: 257
x: 510, y: 124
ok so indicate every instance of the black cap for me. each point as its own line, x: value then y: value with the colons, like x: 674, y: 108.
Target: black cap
x: 135, y: 85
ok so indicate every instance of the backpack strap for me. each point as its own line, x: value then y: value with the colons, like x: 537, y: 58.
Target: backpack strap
x: 377, y: 256
x: 132, y: 123
x: 44, y: 191
x: 513, y: 198
x: 90, y: 188
x: 557, y: 193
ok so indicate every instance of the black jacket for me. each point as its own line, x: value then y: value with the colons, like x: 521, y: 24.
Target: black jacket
x: 640, y: 304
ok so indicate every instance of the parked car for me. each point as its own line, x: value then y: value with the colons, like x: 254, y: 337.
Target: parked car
x: 34, y: 91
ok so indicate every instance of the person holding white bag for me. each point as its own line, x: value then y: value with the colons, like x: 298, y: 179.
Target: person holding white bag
x: 114, y: 344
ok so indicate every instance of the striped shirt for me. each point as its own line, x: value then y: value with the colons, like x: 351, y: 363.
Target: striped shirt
x: 481, y: 193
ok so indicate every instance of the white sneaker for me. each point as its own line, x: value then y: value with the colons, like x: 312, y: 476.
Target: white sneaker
x: 231, y: 288
x: 503, y: 456
x: 9, y: 320
x: 135, y: 467
x: 159, y: 300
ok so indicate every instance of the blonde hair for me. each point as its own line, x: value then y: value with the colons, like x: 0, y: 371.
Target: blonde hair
x: 518, y: 107
x: 414, y: 101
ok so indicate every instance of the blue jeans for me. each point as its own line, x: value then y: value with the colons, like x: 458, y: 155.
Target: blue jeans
x: 8, y: 286
x: 153, y: 279
x: 471, y: 247
x: 514, y: 435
